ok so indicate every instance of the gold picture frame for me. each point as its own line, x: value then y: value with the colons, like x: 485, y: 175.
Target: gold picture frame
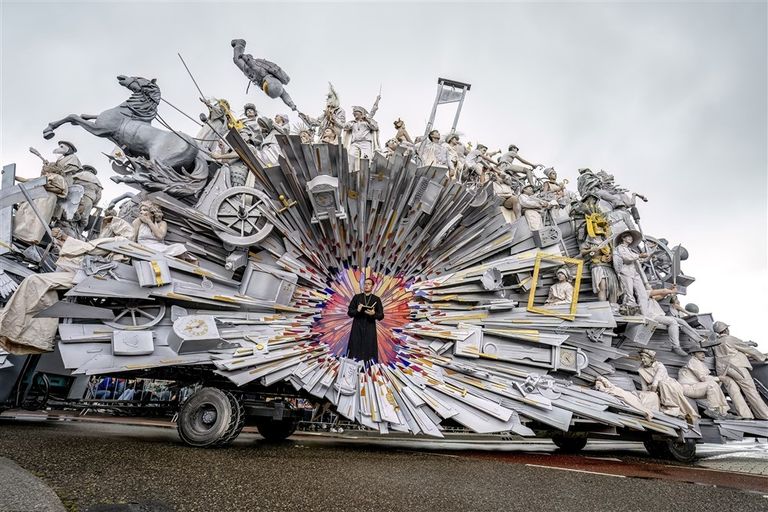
x: 534, y: 284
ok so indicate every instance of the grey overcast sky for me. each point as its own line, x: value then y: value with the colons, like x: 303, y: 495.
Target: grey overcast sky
x: 671, y: 98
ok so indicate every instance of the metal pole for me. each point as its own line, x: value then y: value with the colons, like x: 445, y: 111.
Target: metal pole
x: 458, y: 110
x: 434, y: 109
x: 35, y: 211
x: 6, y: 214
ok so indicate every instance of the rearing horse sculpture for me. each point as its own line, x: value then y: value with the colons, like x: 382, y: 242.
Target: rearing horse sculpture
x: 169, y: 161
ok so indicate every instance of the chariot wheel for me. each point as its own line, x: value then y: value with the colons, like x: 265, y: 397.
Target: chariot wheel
x: 135, y: 315
x: 239, y: 209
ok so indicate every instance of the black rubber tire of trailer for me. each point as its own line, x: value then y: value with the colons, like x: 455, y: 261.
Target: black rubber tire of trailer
x: 279, y: 430
x: 570, y: 444
x: 209, y: 418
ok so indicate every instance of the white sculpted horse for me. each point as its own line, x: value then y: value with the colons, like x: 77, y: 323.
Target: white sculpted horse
x: 167, y: 160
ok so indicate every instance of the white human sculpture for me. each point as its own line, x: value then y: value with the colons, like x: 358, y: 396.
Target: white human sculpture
x: 626, y: 262
x: 654, y: 377
x: 606, y: 386
x: 150, y: 229
x: 333, y: 116
x: 562, y: 291
x: 658, y: 315
x: 533, y: 207
x: 361, y: 135
x: 431, y: 151
x: 27, y: 226
x: 732, y: 366
x: 697, y: 383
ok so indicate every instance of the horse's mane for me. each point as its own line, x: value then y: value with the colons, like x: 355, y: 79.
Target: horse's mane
x: 143, y: 104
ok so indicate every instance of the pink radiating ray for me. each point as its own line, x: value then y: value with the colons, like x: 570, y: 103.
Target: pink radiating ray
x: 334, y: 324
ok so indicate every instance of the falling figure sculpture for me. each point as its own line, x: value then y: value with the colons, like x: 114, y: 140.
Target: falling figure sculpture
x: 268, y: 76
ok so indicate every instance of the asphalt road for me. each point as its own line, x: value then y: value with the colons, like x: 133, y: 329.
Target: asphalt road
x: 91, y: 466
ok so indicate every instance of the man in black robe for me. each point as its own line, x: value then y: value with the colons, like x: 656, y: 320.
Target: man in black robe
x: 365, y: 308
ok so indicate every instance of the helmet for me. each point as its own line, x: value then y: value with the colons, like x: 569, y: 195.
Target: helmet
x: 692, y: 308
x: 272, y: 86
x: 720, y: 327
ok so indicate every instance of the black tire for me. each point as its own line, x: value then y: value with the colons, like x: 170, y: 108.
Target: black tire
x: 206, y: 417
x: 37, y: 394
x: 238, y: 412
x: 272, y: 430
x: 570, y: 444
x: 656, y: 449
x: 672, y: 449
x: 681, y: 451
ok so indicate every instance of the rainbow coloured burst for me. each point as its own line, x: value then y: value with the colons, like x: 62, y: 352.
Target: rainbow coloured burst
x: 334, y: 324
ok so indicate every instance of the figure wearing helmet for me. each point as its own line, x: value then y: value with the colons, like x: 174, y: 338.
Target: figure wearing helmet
x: 732, y: 365
x: 268, y: 76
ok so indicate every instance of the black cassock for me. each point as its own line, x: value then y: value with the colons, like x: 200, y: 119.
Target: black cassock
x: 362, y: 338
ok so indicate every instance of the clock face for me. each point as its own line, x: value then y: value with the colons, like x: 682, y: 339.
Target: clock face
x: 196, y: 327
x: 324, y: 199
x: 568, y: 359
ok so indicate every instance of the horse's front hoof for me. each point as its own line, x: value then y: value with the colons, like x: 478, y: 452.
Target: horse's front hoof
x: 48, y: 134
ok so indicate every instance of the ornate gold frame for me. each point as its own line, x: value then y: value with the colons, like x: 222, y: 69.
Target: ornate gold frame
x: 534, y: 284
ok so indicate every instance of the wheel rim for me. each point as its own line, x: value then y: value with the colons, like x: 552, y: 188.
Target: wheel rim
x: 205, y: 417
x: 136, y: 315
x: 241, y: 211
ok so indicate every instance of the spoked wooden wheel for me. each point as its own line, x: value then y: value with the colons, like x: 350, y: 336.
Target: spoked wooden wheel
x: 239, y: 209
x: 135, y: 315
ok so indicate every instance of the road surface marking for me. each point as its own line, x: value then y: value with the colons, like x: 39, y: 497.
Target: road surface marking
x: 575, y: 470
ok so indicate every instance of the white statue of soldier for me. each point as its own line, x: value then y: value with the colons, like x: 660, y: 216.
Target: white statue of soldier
x: 333, y: 116
x: 266, y: 75
x: 456, y: 155
x: 605, y: 282
x: 533, y: 207
x: 732, y: 365
x: 361, y: 135
x: 626, y: 262
x: 92, y: 194
x: 27, y: 227
x: 698, y: 383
